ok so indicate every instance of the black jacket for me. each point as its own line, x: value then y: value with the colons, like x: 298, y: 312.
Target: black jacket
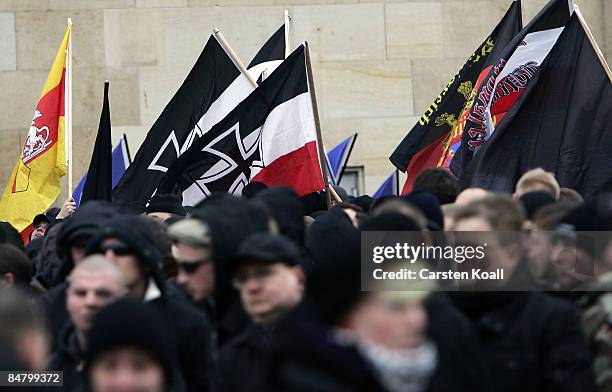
x: 461, y: 363
x: 54, y: 302
x: 191, y: 334
x: 304, y: 357
x: 68, y: 358
x: 241, y: 366
x: 531, y: 341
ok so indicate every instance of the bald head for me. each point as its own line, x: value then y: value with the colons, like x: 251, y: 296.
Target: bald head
x: 94, y: 283
x: 98, y: 264
x: 471, y: 194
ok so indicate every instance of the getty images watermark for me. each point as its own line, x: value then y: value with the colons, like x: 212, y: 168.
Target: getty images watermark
x: 482, y: 261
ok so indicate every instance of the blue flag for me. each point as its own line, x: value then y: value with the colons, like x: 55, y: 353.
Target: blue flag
x: 337, y: 158
x: 121, y: 161
x: 389, y: 187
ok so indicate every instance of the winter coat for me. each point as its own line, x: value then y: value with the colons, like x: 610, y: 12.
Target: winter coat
x: 68, y: 358
x: 47, y: 263
x: 596, y: 305
x: 241, y: 366
x: 461, y: 363
x: 304, y: 357
x: 54, y: 302
x: 531, y: 341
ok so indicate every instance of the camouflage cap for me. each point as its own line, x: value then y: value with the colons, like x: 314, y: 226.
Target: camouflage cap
x: 190, y: 231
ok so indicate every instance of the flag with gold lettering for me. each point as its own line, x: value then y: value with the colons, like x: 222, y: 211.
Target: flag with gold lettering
x: 35, y: 181
x: 434, y: 139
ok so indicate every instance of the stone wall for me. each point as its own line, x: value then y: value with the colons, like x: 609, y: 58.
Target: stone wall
x: 377, y: 64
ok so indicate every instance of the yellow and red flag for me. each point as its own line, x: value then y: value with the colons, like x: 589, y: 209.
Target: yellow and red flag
x: 35, y: 182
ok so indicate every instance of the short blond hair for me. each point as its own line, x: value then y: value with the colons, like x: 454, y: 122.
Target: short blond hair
x: 538, y: 180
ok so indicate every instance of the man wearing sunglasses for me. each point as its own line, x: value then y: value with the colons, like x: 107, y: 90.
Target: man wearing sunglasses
x: 129, y: 242
x: 192, y: 251
x: 268, y: 274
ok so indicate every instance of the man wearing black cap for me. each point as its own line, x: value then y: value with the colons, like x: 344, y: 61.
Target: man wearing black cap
x: 164, y: 207
x: 268, y: 274
x: 128, y: 241
x: 39, y: 225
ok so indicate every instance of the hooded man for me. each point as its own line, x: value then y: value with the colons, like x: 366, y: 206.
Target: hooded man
x: 287, y: 210
x: 62, y: 250
x: 128, y: 241
x: 268, y: 275
x: 231, y: 220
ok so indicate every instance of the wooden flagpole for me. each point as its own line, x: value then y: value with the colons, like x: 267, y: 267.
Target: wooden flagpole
x: 397, y: 182
x: 221, y: 39
x: 68, y: 117
x: 287, y: 29
x: 589, y: 34
x: 315, y: 110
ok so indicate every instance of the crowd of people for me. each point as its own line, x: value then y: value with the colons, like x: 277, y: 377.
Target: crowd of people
x: 263, y: 293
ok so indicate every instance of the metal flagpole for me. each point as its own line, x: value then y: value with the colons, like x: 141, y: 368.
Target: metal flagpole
x: 587, y: 30
x: 68, y: 117
x: 223, y: 42
x: 287, y: 29
x: 315, y: 110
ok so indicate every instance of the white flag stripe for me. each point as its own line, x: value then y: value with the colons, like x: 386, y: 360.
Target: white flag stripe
x: 235, y: 93
x: 268, y: 66
x: 538, y: 45
x: 288, y: 127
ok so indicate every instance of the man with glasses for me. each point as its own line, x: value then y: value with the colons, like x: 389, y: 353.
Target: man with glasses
x: 268, y: 274
x: 192, y: 252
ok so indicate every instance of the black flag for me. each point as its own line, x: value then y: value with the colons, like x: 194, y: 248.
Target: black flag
x: 507, y: 80
x: 562, y: 123
x: 271, y: 54
x: 435, y: 138
x: 269, y: 137
x: 98, y: 185
x: 212, y: 89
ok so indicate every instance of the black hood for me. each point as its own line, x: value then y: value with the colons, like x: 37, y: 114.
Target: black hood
x: 231, y: 220
x: 134, y: 231
x: 334, y: 284
x: 324, y: 235
x: 83, y: 224
x: 287, y: 210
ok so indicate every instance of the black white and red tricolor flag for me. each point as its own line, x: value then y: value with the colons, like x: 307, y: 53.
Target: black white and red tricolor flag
x: 433, y: 141
x: 510, y: 75
x: 562, y: 123
x: 269, y: 137
x: 213, y: 87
